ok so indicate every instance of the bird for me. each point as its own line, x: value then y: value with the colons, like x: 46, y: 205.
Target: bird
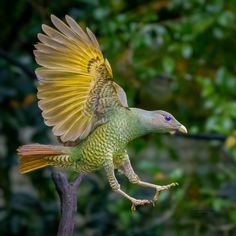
x: 87, y: 110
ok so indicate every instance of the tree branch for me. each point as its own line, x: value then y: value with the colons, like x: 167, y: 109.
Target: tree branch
x: 67, y: 192
x: 203, y: 136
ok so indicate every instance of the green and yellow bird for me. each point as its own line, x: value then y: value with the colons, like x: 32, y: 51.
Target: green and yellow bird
x: 88, y: 111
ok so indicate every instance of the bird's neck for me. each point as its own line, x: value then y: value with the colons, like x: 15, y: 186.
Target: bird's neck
x: 142, y: 122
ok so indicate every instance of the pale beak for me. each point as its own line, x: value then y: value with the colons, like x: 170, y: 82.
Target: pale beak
x: 182, y: 129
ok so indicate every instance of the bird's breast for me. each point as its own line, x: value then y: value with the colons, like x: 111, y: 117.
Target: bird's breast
x: 105, y: 140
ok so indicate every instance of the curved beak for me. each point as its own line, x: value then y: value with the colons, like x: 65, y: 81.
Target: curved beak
x: 183, y: 129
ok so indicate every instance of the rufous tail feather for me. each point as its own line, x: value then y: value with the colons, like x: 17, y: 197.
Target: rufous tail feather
x: 36, y: 156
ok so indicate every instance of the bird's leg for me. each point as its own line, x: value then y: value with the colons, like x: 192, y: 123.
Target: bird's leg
x: 127, y: 169
x: 109, y: 168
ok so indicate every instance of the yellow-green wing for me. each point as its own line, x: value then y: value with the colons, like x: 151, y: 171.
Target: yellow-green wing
x: 75, y: 80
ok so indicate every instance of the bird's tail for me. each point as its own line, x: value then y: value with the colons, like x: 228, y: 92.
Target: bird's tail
x: 36, y: 156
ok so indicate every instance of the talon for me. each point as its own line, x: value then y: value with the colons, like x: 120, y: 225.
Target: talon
x: 160, y: 188
x: 153, y: 203
x: 133, y: 207
x: 157, y: 195
x: 173, y: 184
x: 137, y: 202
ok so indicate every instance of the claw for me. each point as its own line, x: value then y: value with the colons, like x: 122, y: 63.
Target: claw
x: 153, y: 203
x: 160, y: 188
x: 137, y: 202
x: 133, y: 207
x: 156, y: 196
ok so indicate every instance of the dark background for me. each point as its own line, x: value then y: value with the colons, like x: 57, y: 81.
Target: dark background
x: 175, y: 55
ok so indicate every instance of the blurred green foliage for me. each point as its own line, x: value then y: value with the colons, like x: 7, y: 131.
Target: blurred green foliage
x: 172, y: 55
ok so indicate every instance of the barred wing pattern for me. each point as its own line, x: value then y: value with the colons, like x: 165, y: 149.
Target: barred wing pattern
x: 75, y: 87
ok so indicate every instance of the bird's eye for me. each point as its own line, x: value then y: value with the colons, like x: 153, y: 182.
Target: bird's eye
x: 167, y: 118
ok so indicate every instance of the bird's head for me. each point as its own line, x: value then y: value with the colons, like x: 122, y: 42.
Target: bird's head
x: 162, y: 121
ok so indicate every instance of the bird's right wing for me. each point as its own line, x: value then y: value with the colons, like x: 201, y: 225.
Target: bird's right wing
x: 76, y: 89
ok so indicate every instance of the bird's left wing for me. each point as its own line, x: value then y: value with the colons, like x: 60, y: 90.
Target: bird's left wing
x: 76, y: 89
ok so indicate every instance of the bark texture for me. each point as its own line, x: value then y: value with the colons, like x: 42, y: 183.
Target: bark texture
x: 68, y: 197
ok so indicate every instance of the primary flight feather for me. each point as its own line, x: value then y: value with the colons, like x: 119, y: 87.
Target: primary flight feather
x: 88, y: 111
x: 75, y: 80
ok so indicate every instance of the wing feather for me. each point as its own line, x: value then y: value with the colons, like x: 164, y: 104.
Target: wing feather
x: 75, y: 80
x: 76, y: 28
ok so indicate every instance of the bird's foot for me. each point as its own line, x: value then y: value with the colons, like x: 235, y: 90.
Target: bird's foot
x: 137, y: 202
x: 160, y: 188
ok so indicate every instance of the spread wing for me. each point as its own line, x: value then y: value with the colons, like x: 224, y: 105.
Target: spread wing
x: 75, y: 89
